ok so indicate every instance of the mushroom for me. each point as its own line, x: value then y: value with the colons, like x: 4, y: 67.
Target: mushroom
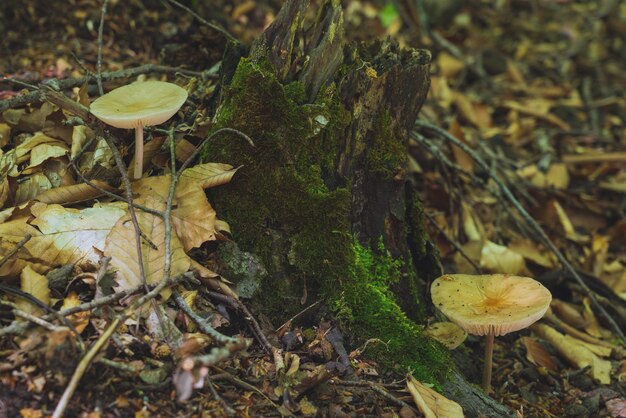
x: 138, y: 105
x: 490, y: 305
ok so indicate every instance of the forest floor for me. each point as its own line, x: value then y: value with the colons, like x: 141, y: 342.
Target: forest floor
x: 535, y: 88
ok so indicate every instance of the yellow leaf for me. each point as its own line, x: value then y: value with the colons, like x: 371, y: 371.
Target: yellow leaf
x: 36, y: 285
x: 31, y: 186
x: 499, y: 259
x: 71, y: 235
x: 42, y: 152
x: 80, y: 320
x: 213, y: 280
x: 193, y: 218
x: 576, y: 353
x: 121, y: 247
x: 74, y: 193
x: 431, y: 403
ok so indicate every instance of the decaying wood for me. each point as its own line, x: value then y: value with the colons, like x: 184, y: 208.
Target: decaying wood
x: 381, y: 87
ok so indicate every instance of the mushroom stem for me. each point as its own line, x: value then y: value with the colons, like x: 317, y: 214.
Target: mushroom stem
x: 488, y: 362
x: 138, y: 153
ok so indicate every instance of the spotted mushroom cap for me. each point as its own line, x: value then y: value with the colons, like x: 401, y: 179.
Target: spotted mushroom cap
x: 139, y: 104
x: 493, y: 303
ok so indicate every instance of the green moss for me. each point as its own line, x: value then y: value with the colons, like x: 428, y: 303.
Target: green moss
x: 387, y: 152
x: 286, y: 189
x: 368, y: 309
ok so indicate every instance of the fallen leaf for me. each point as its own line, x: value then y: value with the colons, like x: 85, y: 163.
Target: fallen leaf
x: 35, y: 285
x: 576, y: 353
x: 121, y: 247
x: 431, y: 403
x: 500, y: 259
x: 537, y: 355
x: 80, y: 320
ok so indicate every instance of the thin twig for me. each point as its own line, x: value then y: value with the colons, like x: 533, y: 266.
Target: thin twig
x: 51, y: 312
x: 138, y: 232
x: 202, y: 323
x: 454, y: 244
x: 204, y: 21
x: 254, y: 325
x: 298, y: 314
x: 100, y: 30
x: 224, y: 375
x: 530, y: 220
x: 15, y: 249
x: 36, y: 320
x: 376, y: 388
x: 85, y: 362
x: 227, y: 408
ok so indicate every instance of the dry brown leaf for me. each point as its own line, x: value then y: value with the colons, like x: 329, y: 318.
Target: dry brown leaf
x: 461, y: 157
x: 80, y: 320
x: 80, y: 136
x: 5, y: 134
x: 592, y: 326
x: 184, y: 149
x: 12, y: 232
x: 74, y: 194
x: 4, y: 191
x: 448, y: 65
x: 533, y: 252
x: 473, y: 228
x: 539, y: 108
x: 500, y: 259
x: 43, y: 152
x: 23, y: 150
x: 537, y: 355
x: 193, y: 218
x: 567, y: 225
x: 213, y: 280
x: 576, y: 353
x: 557, y: 176
x: 472, y: 250
x: 475, y: 113
x: 568, y: 313
x: 35, y: 285
x: 70, y: 235
x: 431, y: 403
x: 121, y: 247
x: 31, y: 186
x: 209, y: 174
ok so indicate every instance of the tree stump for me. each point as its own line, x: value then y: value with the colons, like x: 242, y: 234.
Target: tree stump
x: 324, y: 198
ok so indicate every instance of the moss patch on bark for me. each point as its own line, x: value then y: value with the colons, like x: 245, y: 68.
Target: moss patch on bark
x: 287, y: 206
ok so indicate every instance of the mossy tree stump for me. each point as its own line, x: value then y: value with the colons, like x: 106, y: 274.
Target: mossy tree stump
x: 324, y: 197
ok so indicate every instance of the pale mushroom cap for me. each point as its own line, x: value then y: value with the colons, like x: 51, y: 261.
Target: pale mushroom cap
x: 494, y: 303
x: 139, y: 104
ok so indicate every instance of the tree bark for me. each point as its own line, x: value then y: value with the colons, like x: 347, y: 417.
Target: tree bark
x: 325, y: 198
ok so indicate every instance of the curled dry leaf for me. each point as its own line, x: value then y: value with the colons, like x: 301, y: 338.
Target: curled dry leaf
x: 575, y: 351
x: 500, y: 259
x: 80, y: 320
x: 537, y: 355
x: 74, y: 194
x: 58, y: 236
x: 35, y: 285
x: 121, y: 247
x: 193, y: 218
x: 431, y: 403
